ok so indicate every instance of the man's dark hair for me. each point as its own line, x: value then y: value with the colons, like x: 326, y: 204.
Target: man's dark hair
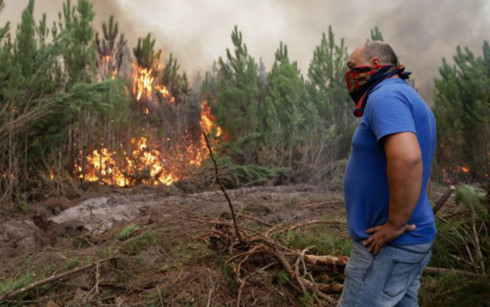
x: 381, y: 50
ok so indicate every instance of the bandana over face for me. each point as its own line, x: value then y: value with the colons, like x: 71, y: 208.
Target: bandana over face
x: 361, y: 80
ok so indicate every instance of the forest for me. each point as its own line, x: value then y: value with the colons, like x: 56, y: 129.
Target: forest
x: 86, y: 119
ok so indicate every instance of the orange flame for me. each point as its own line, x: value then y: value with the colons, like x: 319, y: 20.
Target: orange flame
x: 106, y: 67
x: 207, y: 120
x: 143, y: 164
x: 464, y: 169
x: 142, y: 81
x: 148, y: 164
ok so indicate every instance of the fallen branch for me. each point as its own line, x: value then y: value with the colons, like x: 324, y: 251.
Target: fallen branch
x: 252, y: 218
x: 436, y: 271
x: 314, y: 260
x: 52, y: 279
x: 303, y: 224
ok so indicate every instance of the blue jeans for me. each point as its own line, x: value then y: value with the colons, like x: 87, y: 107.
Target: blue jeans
x: 389, y: 278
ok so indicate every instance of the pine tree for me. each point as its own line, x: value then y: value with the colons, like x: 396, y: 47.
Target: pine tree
x: 145, y: 54
x: 209, y: 87
x: 461, y: 107
x: 284, y: 112
x: 110, y: 51
x: 376, y: 34
x: 238, y: 91
x: 176, y: 83
x: 77, y: 35
x: 327, y: 91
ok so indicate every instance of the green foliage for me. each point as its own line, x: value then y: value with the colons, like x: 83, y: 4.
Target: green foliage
x: 334, y: 122
x: 284, y: 113
x: 226, y: 268
x: 461, y: 107
x: 321, y: 240
x: 472, y: 198
x: 326, y: 86
x: 306, y: 300
x: 238, y: 92
x: 110, y: 51
x: 20, y: 206
x: 138, y: 244
x: 278, y: 119
x: 48, y: 93
x: 145, y: 53
x: 127, y: 231
x: 15, y: 283
x: 280, y: 277
x: 454, y: 290
x: 176, y: 83
x: 376, y: 34
x: 234, y: 175
x: 462, y: 237
x: 76, y: 35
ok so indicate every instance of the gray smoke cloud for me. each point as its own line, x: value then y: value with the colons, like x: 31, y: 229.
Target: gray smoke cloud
x: 198, y: 32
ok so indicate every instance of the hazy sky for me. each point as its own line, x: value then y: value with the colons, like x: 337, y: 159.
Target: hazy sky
x: 198, y: 31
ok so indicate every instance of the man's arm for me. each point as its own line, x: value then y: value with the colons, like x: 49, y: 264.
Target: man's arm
x: 404, y: 171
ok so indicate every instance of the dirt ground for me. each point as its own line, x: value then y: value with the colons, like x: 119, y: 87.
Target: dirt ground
x: 157, y: 243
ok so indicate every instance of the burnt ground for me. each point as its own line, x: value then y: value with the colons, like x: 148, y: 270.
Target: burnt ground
x: 160, y: 246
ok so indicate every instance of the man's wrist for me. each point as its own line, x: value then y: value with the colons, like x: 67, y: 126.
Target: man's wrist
x: 396, y: 225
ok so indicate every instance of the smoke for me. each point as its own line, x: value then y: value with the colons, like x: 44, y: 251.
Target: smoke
x: 13, y: 12
x: 198, y: 32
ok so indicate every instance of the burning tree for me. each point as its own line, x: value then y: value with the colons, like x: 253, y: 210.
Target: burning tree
x: 165, y: 139
x: 110, y: 53
x: 145, y: 68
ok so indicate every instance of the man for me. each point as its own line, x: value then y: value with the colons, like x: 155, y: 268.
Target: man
x: 389, y: 216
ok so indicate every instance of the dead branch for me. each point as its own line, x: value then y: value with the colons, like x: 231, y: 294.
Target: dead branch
x: 443, y: 199
x: 436, y: 271
x: 222, y: 187
x: 314, y: 260
x: 52, y: 279
x: 303, y: 224
x: 252, y: 218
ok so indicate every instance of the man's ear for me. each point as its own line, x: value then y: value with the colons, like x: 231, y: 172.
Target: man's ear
x: 376, y: 61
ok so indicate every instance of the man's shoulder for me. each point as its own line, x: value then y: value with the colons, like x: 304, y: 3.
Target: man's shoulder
x: 392, y: 92
x: 390, y: 87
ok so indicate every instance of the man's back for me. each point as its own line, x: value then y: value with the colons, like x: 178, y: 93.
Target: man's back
x: 393, y: 107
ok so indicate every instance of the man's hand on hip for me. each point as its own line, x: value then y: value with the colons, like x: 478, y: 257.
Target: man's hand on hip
x: 383, y: 234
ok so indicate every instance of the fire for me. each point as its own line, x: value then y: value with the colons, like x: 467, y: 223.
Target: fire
x: 163, y: 90
x: 142, y: 81
x: 146, y: 162
x: 464, y: 169
x: 106, y: 68
x: 148, y: 159
x: 142, y: 164
x: 207, y: 120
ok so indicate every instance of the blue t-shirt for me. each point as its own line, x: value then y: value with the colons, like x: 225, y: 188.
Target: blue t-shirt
x: 393, y: 106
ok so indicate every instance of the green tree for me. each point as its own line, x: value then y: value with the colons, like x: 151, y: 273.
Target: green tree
x: 376, y: 34
x: 176, y: 82
x: 284, y: 113
x: 76, y: 36
x: 210, y: 84
x: 45, y: 87
x: 327, y: 91
x: 145, y: 53
x: 461, y: 107
x: 238, y: 91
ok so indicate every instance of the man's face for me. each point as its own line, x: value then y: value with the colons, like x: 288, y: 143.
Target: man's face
x: 357, y: 59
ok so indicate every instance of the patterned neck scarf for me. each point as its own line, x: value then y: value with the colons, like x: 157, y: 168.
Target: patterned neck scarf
x: 361, y: 80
